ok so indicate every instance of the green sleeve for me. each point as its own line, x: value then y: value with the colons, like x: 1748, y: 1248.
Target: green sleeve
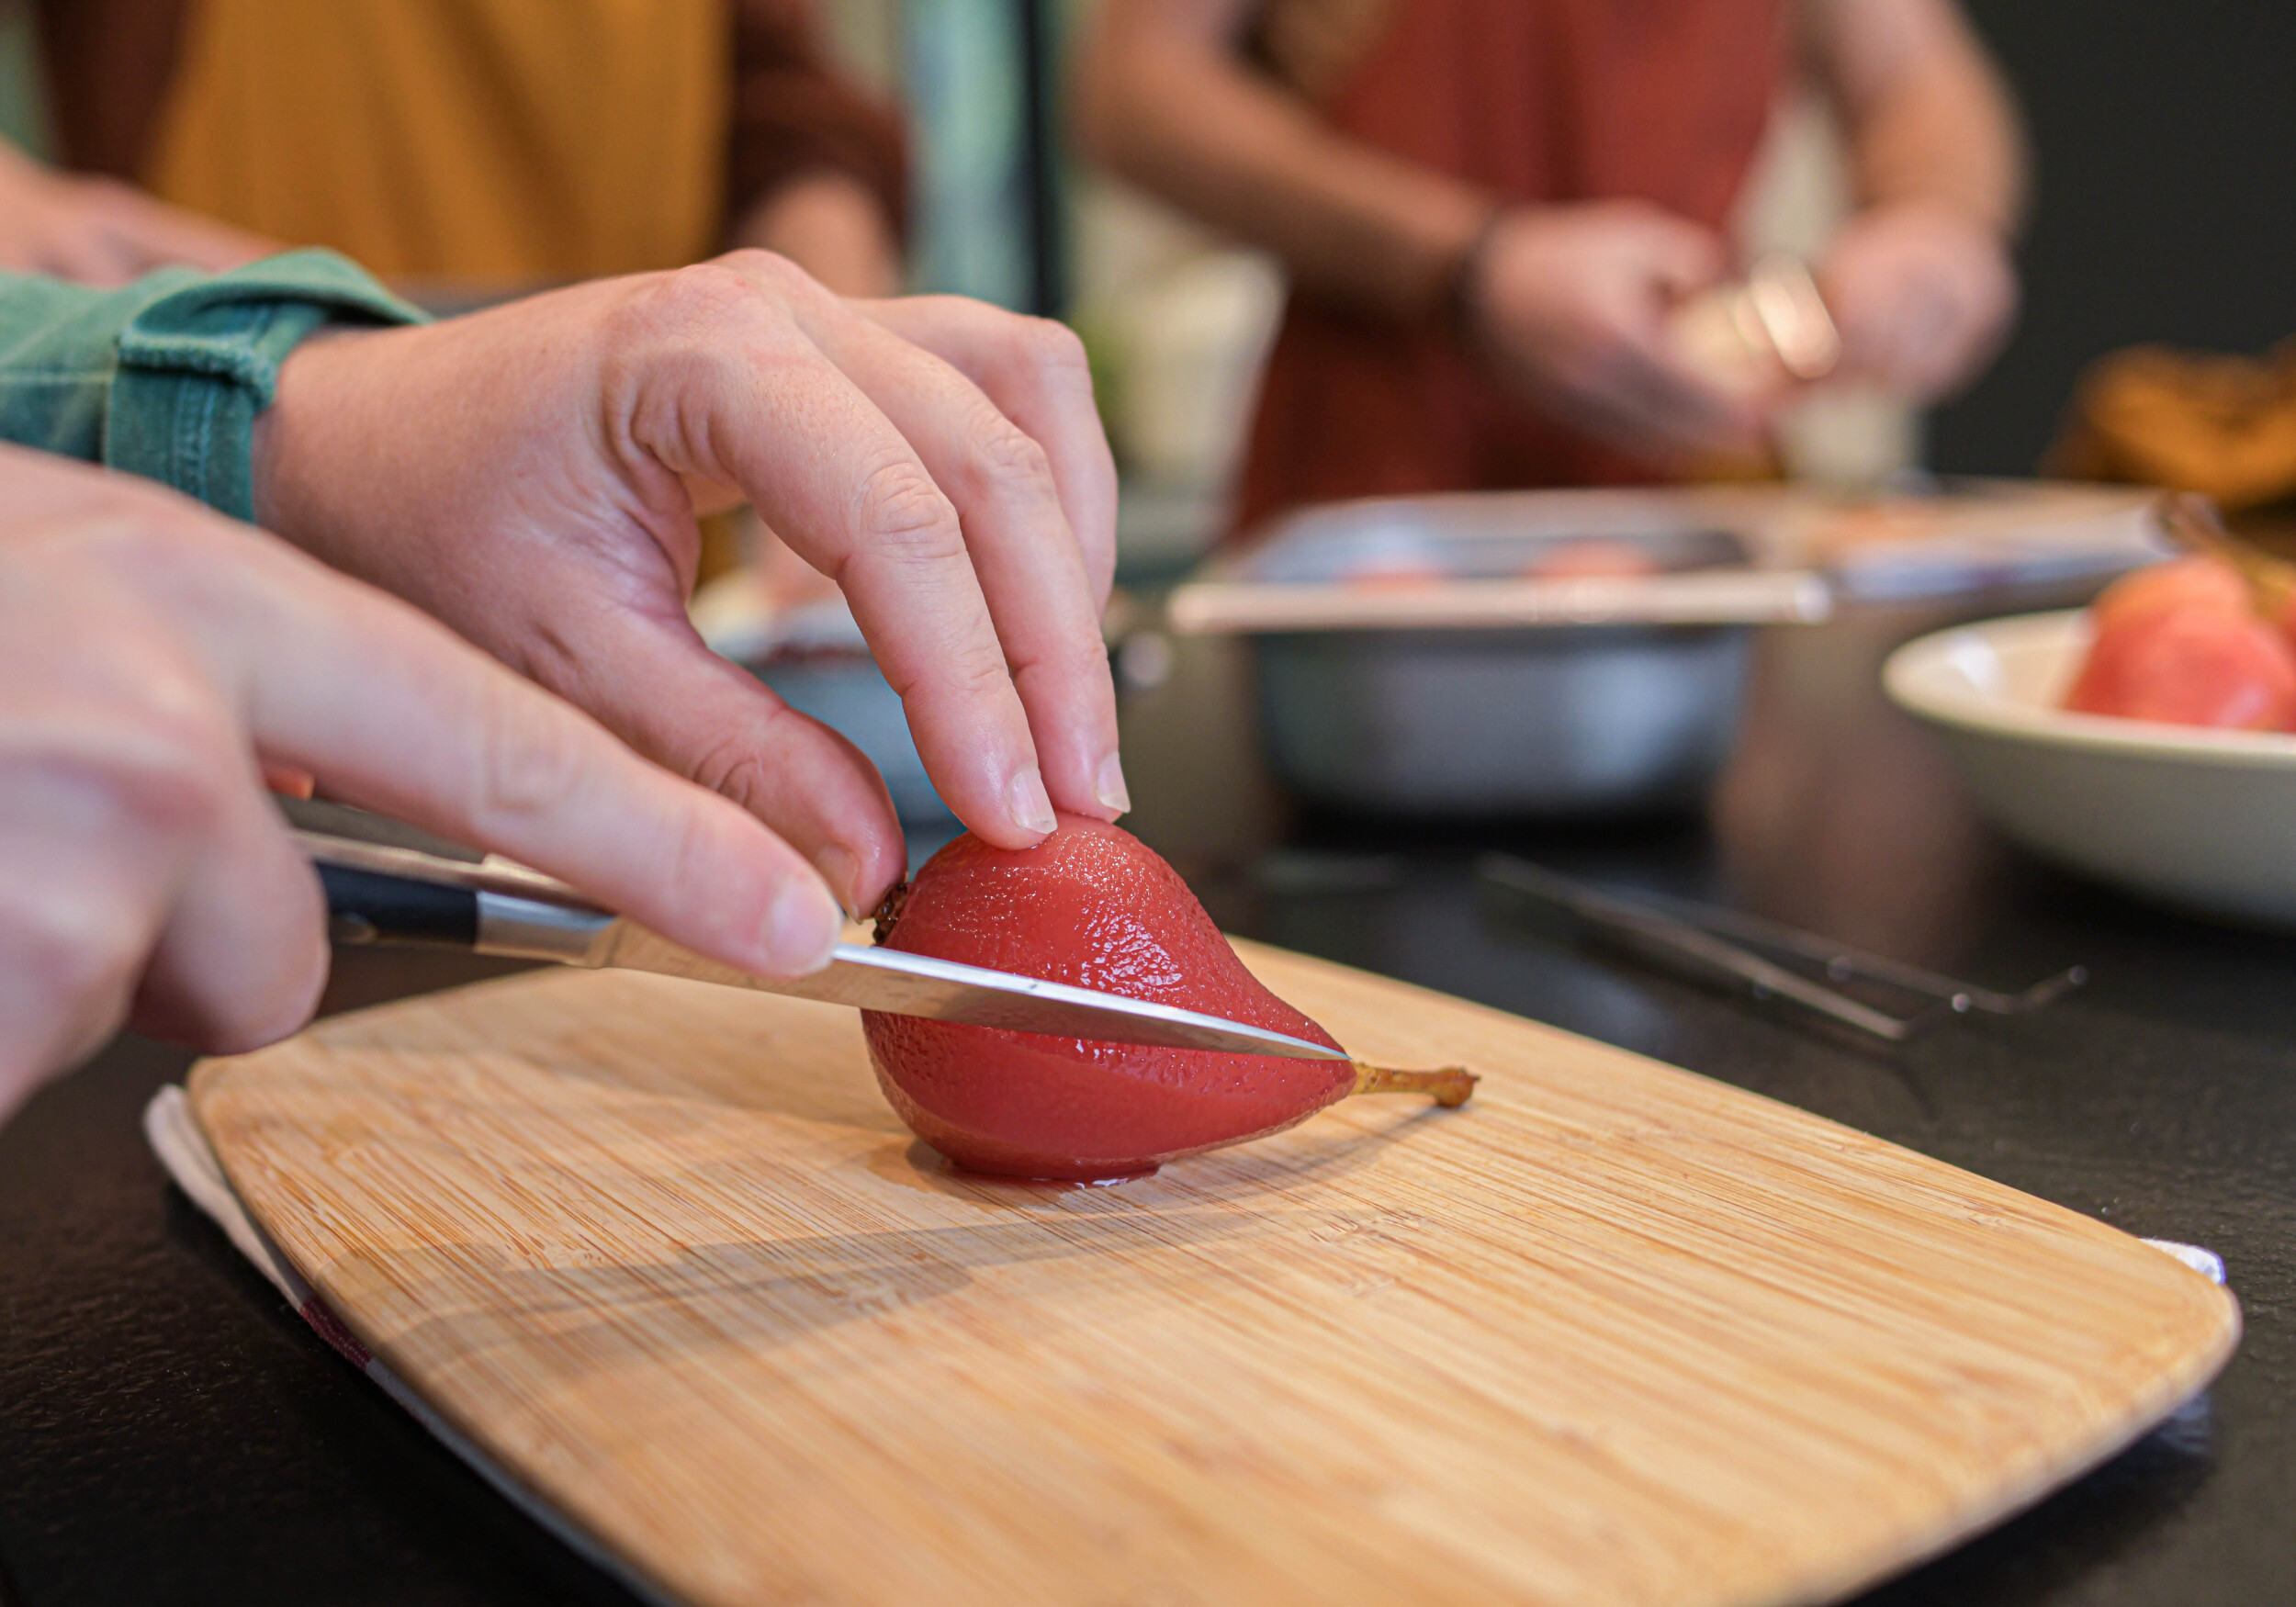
x: 163, y: 378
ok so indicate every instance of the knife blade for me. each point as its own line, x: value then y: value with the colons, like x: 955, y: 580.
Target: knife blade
x: 378, y: 894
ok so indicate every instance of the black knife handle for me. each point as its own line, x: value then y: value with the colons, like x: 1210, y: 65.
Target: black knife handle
x: 370, y: 906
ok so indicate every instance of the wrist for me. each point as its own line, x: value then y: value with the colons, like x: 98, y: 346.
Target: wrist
x: 1942, y: 211
x: 1463, y: 309
x: 279, y: 472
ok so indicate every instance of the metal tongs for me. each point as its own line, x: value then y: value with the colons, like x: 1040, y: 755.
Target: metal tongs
x: 1745, y: 952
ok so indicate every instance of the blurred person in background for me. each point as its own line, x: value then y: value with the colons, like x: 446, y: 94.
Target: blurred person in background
x: 467, y: 148
x: 1493, y: 211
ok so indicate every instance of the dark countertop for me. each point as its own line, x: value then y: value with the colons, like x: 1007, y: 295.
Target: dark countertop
x: 171, y: 1433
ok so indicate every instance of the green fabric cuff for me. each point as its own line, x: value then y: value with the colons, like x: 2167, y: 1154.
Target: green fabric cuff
x: 200, y: 358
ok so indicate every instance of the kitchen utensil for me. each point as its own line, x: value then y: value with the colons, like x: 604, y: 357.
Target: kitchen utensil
x: 2195, y: 817
x: 1709, y: 596
x: 379, y: 894
x: 2193, y: 522
x: 1955, y: 537
x: 1612, y: 1333
x: 1522, y: 702
x: 1746, y: 952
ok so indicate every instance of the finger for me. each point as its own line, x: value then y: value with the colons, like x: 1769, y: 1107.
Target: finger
x: 675, y: 700
x: 1674, y: 410
x: 89, y: 257
x: 151, y: 235
x: 448, y: 739
x: 858, y: 505
x: 242, y: 956
x: 1035, y: 371
x: 1031, y: 570
x: 80, y: 900
x: 111, y: 741
x: 142, y: 845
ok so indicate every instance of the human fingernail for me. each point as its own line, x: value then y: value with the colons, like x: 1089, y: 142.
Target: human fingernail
x: 802, y: 925
x: 1031, y: 806
x: 1108, y: 785
x: 840, y: 868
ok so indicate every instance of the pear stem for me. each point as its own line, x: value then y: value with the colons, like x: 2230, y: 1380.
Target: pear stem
x: 1450, y: 1085
x: 887, y: 914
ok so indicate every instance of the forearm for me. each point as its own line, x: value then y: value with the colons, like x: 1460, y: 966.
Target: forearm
x: 1163, y: 100
x: 1929, y: 117
x: 165, y: 377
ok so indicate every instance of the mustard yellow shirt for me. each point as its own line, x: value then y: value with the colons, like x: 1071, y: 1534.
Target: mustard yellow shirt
x: 509, y: 141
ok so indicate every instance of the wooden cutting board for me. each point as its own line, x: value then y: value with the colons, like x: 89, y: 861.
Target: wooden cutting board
x: 1612, y: 1334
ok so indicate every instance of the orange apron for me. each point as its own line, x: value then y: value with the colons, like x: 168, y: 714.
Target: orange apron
x: 1537, y: 101
x: 482, y: 141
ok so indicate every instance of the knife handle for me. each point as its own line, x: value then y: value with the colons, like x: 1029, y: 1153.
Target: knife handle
x: 371, y: 906
x: 378, y: 893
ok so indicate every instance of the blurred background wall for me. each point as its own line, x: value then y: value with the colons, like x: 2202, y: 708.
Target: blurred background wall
x: 2164, y: 132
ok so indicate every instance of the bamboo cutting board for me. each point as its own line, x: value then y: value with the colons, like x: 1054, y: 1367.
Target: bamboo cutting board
x: 1612, y: 1334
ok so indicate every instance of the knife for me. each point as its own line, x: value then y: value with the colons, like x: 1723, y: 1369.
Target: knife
x: 378, y: 894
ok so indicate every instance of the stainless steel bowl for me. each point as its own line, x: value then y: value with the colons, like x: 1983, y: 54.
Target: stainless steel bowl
x: 1503, y: 722
x: 1549, y: 720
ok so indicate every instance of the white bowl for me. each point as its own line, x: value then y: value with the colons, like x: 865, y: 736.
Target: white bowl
x: 2205, y: 819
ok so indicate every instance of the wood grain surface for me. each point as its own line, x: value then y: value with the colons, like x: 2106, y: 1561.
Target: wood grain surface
x: 1612, y: 1334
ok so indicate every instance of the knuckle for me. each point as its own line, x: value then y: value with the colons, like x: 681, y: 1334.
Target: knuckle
x: 165, y: 765
x: 1076, y: 658
x: 527, y: 767
x: 1054, y: 345
x: 71, y: 945
x: 755, y: 265
x: 1040, y: 353
x: 1090, y: 656
x: 903, y: 513
x: 735, y: 768
x: 694, y: 309
x: 149, y: 539
x: 1011, y: 463
x: 713, y: 290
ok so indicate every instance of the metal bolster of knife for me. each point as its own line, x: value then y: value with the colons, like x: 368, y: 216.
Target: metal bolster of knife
x: 380, y: 893
x: 1747, y: 952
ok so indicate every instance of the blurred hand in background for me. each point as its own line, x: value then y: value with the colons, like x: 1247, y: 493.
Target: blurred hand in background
x: 102, y: 231
x: 1924, y: 295
x: 1570, y: 306
x: 834, y: 227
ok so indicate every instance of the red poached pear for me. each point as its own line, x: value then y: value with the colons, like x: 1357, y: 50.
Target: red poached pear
x: 1092, y: 906
x: 2193, y: 582
x: 1592, y: 557
x: 2192, y: 665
